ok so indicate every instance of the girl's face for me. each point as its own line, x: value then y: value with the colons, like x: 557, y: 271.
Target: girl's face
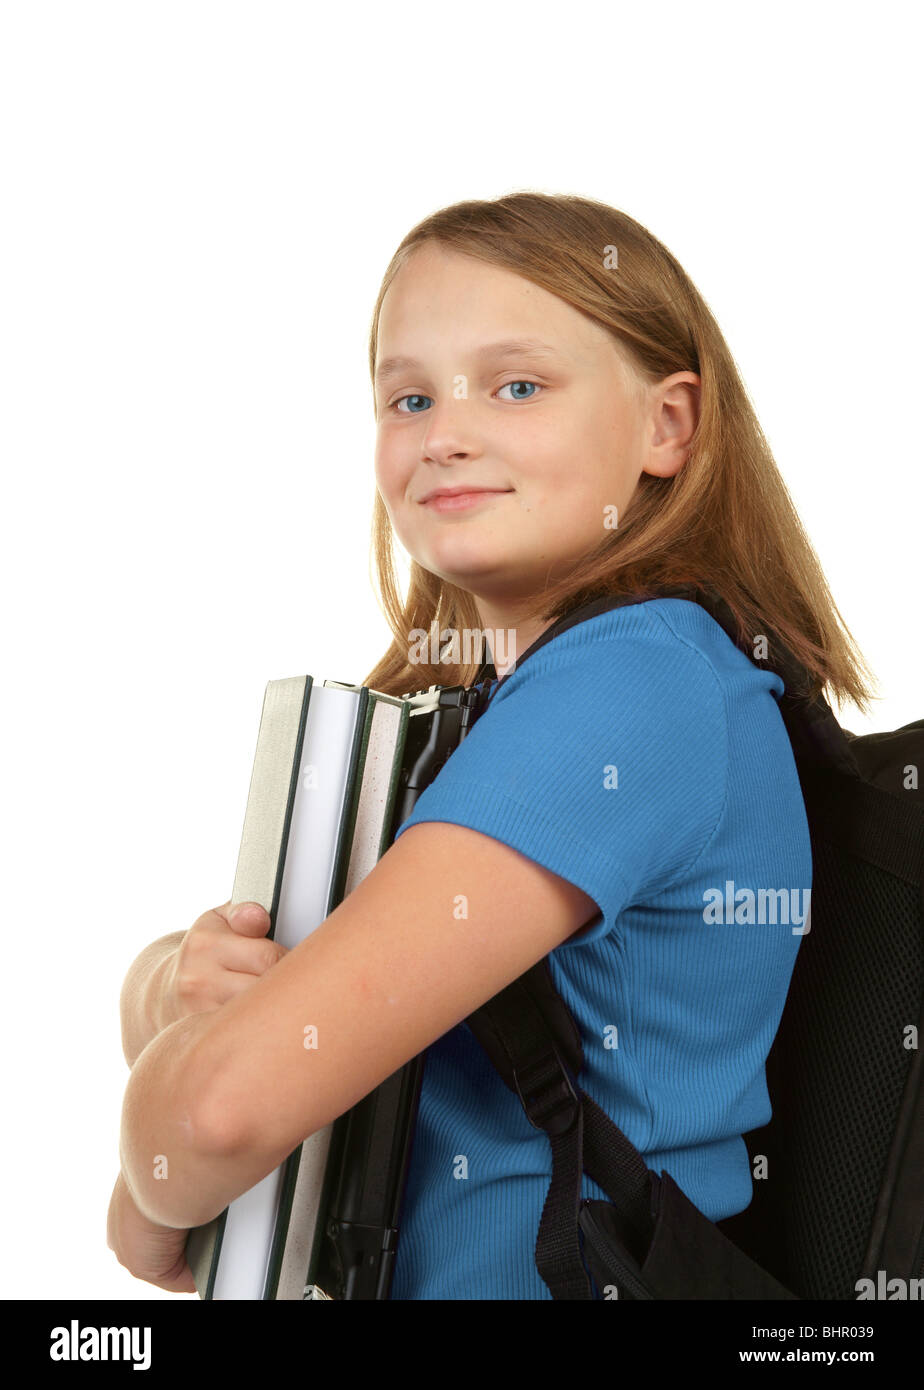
x: 560, y: 432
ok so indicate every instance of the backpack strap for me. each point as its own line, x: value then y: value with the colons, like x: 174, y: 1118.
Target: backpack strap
x: 533, y: 1042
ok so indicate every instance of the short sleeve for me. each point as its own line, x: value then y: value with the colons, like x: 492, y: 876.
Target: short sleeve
x: 603, y: 757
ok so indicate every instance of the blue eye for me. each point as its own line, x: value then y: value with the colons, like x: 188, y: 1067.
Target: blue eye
x: 521, y: 383
x: 396, y: 404
x: 409, y: 398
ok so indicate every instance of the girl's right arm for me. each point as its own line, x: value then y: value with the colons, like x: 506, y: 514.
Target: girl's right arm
x: 194, y: 971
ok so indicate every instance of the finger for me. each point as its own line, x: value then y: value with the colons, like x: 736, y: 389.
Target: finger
x: 179, y: 1279
x: 247, y: 918
x: 236, y: 982
x: 249, y: 955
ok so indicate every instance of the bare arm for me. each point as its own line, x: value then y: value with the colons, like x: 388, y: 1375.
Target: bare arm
x: 142, y: 1003
x: 226, y: 1096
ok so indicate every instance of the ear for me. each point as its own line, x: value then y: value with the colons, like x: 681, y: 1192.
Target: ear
x: 674, y: 416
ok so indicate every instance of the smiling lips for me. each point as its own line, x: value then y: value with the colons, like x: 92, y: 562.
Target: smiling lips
x: 460, y: 500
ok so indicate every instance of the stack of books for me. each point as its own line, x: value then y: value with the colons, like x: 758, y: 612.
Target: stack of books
x: 337, y: 770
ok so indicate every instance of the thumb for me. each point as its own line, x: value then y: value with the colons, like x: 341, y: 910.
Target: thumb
x: 249, y: 919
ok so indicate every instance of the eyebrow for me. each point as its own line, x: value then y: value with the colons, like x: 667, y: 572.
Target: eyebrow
x: 510, y: 347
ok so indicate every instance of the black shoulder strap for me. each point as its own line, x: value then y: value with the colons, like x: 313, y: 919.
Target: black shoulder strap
x: 534, y: 1044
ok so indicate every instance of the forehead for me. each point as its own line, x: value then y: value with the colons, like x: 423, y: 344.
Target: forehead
x: 442, y: 300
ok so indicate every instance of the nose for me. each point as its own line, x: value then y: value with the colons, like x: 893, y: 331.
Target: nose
x: 448, y: 435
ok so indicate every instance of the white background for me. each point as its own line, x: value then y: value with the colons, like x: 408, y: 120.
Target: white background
x: 199, y: 202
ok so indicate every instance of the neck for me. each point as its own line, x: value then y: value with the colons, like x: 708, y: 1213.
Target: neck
x: 508, y: 636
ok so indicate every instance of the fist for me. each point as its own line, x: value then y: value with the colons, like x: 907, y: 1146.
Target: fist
x: 223, y: 954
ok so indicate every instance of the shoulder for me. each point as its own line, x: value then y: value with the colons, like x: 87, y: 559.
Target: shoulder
x: 603, y: 756
x: 661, y: 665
x: 661, y: 639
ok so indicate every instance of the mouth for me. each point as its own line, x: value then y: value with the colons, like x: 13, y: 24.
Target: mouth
x: 459, y: 499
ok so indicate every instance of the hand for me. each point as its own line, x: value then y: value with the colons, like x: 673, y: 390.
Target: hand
x: 150, y: 1252
x: 218, y: 959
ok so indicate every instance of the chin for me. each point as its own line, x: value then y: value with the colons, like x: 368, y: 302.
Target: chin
x: 462, y: 566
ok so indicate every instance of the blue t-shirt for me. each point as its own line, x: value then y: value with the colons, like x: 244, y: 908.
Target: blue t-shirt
x: 641, y: 756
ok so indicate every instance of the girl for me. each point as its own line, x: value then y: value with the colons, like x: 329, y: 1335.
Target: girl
x: 558, y: 418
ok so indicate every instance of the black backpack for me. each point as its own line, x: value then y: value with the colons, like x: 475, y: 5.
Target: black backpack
x: 843, y: 1197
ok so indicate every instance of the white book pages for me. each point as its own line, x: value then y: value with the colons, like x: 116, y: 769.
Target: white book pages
x: 368, y: 833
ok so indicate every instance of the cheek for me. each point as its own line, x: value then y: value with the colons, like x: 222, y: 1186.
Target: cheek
x: 389, y: 477
x: 380, y: 464
x: 573, y: 511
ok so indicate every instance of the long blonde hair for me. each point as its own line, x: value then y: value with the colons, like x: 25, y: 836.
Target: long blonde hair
x: 724, y: 522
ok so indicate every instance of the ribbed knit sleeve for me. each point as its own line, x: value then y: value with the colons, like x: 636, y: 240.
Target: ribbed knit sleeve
x: 604, y: 758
